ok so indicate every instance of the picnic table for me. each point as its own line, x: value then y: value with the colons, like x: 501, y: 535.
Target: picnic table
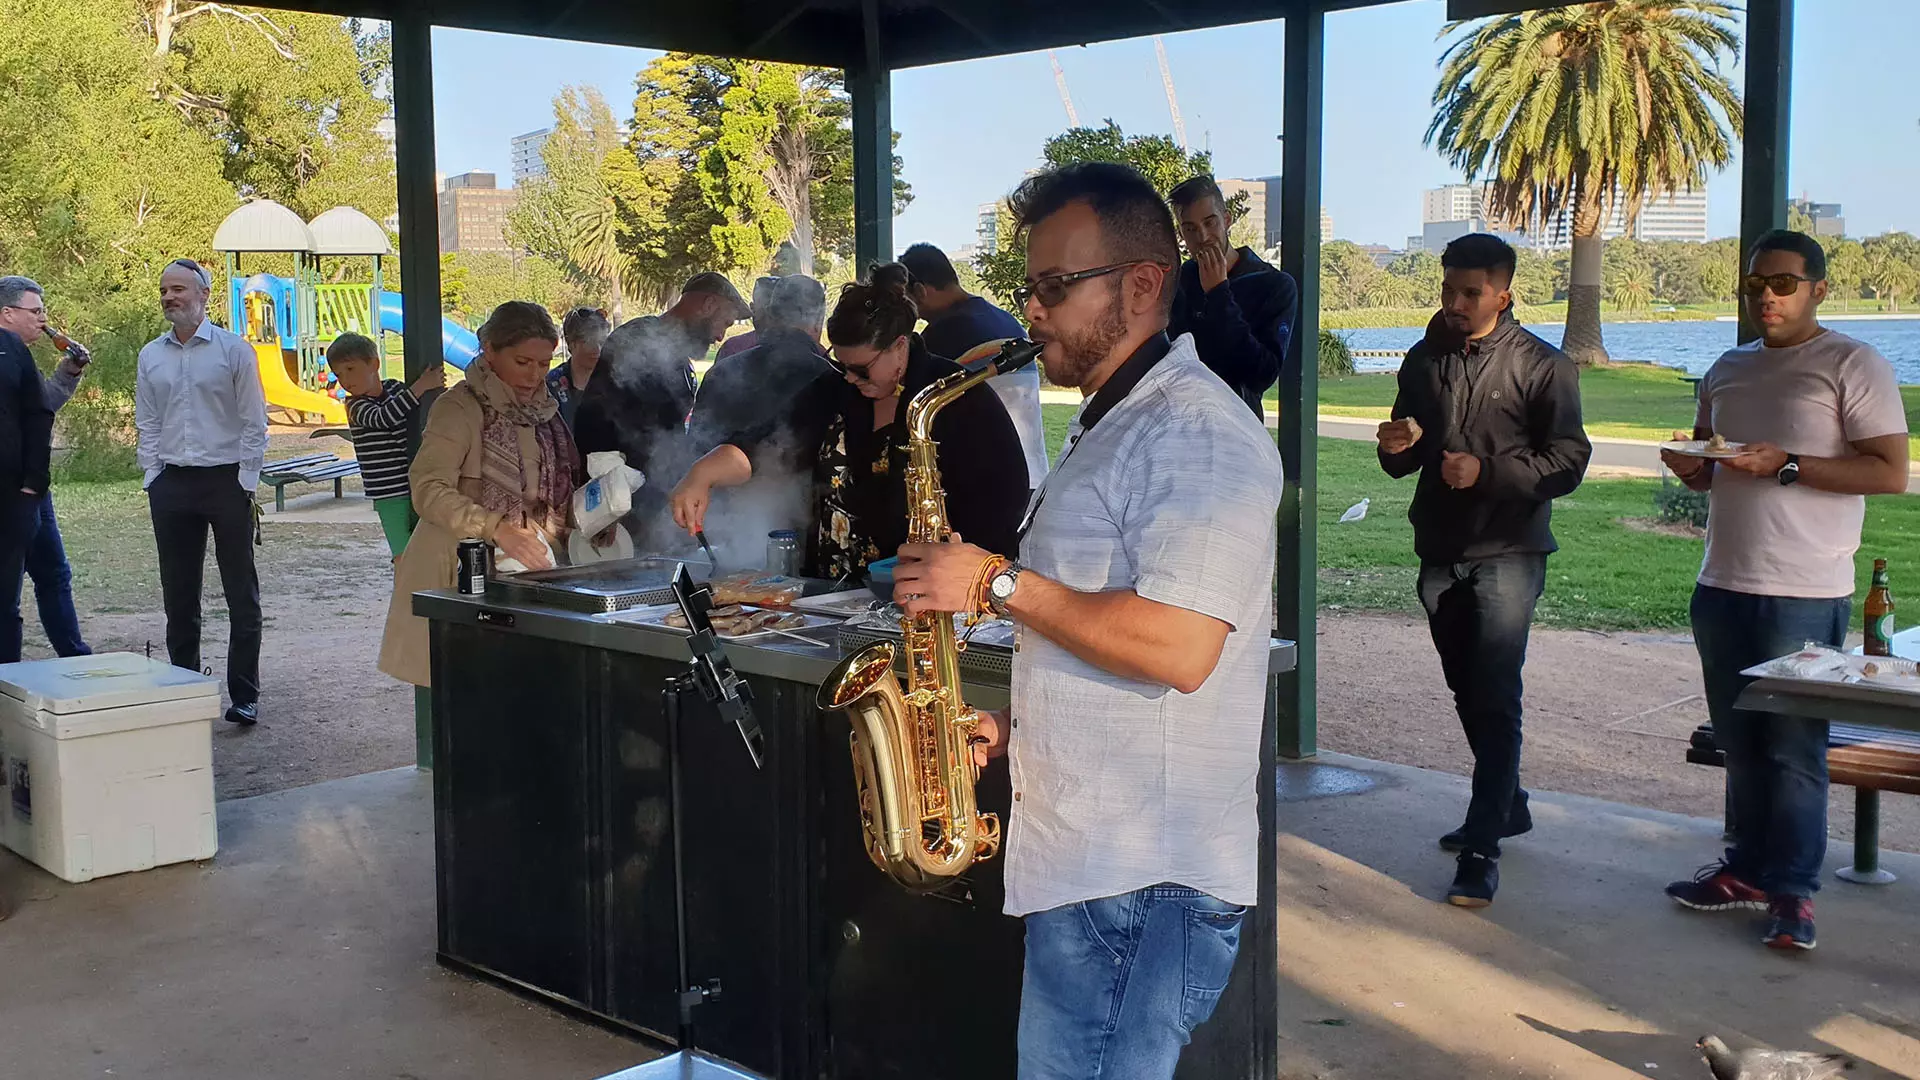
x: 1875, y: 743
x: 307, y: 469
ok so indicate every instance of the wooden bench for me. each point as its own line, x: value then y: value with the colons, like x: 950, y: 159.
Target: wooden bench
x: 306, y: 469
x: 1867, y: 759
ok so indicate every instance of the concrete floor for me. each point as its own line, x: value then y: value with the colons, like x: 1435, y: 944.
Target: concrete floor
x: 1581, y: 968
x: 305, y: 950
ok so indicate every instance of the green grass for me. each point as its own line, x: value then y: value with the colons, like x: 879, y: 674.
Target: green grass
x: 1606, y: 576
x: 1624, y: 401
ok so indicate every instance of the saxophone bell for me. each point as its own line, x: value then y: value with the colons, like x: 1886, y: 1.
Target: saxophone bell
x: 912, y: 742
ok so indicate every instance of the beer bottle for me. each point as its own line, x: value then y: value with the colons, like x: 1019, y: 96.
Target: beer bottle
x: 1879, y: 613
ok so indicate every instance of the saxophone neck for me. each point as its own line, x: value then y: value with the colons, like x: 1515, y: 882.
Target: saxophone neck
x: 927, y: 403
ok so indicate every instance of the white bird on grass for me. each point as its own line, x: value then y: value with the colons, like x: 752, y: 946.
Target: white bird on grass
x: 1355, y: 512
x: 1768, y: 1064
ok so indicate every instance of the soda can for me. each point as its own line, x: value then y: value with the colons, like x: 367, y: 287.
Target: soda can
x: 475, y: 564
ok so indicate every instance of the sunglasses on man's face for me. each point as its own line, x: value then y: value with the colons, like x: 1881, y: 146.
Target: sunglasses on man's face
x: 1051, y: 290
x: 1781, y: 284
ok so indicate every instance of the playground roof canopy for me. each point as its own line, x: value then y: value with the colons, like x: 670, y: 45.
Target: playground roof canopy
x: 346, y: 231
x: 263, y: 225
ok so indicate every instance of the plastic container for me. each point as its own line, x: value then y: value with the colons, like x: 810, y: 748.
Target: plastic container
x: 108, y: 764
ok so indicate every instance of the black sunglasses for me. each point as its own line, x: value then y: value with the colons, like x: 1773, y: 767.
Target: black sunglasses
x: 845, y: 369
x: 1051, y: 290
x: 1781, y: 284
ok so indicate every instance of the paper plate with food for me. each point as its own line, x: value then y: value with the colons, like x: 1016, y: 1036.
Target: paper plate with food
x: 1716, y: 447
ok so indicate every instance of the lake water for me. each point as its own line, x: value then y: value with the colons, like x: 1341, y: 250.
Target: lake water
x: 1692, y: 346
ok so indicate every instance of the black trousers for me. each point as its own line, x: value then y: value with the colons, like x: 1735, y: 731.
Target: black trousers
x: 1479, y: 614
x: 186, y: 503
x: 19, y: 523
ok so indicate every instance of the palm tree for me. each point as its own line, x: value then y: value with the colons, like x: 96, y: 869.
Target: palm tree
x: 1584, y: 110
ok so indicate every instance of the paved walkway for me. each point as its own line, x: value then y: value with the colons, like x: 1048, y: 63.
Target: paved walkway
x: 305, y: 951
x: 1617, y: 457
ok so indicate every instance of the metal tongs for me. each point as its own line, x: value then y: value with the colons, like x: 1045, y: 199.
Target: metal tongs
x: 713, y: 563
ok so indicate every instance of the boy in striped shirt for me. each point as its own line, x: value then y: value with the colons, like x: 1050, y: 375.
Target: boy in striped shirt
x: 380, y: 415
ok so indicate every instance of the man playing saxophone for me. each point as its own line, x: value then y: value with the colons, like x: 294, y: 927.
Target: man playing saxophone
x: 1143, y: 593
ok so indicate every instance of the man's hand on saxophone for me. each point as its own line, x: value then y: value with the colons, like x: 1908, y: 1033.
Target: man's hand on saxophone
x: 940, y: 577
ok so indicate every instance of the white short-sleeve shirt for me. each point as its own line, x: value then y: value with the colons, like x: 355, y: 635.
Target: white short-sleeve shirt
x: 1122, y: 784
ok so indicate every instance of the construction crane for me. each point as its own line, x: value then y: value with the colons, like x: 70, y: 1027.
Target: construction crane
x: 1173, y: 104
x: 1060, y: 80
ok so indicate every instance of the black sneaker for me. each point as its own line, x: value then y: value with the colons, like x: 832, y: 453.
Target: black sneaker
x: 1516, y: 826
x: 1475, y: 882
x: 1791, y: 926
x: 1715, y: 888
x: 244, y: 715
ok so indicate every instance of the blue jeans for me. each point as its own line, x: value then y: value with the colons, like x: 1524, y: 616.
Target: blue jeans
x: 53, y: 584
x: 1776, y: 765
x: 1479, y: 614
x: 1114, y: 987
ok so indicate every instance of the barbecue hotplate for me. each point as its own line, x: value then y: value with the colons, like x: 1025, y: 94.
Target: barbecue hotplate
x: 599, y: 587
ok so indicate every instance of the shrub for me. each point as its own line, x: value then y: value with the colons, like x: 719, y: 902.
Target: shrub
x: 1677, y: 503
x: 1336, y: 357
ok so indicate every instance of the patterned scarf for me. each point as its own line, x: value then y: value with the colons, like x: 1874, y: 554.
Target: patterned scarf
x: 503, y: 484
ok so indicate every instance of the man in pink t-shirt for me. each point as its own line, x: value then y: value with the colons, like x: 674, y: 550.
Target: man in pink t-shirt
x: 1822, y: 426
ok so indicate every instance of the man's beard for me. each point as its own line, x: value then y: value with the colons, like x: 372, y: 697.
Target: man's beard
x: 1086, y: 349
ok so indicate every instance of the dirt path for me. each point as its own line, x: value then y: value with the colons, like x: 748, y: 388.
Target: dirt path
x: 1607, y: 715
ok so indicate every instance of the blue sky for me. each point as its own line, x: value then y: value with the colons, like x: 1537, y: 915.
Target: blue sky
x: 970, y: 131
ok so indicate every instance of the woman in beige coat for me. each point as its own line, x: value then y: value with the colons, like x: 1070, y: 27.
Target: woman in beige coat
x: 497, y: 463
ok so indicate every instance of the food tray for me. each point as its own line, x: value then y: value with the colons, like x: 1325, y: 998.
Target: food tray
x: 654, y: 618
x: 844, y: 605
x: 1888, y: 672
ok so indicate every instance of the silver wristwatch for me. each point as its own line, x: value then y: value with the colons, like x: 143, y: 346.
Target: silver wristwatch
x: 1000, y: 588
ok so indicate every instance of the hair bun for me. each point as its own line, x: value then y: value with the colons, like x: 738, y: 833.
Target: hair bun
x: 891, y: 277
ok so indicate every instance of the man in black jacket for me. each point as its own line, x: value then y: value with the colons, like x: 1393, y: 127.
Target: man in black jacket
x: 1239, y: 308
x: 26, y: 451
x: 642, y: 392
x: 1490, y: 416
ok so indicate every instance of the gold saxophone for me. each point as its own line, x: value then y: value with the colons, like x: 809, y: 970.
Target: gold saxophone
x: 913, y: 745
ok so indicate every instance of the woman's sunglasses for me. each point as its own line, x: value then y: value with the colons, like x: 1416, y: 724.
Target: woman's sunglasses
x: 1052, y: 289
x: 1781, y: 284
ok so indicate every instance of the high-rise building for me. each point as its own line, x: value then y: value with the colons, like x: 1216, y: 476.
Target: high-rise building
x: 473, y: 214
x: 1454, y: 202
x: 986, y: 228
x: 1255, y: 210
x: 1679, y: 216
x: 528, y: 164
x: 1828, y: 219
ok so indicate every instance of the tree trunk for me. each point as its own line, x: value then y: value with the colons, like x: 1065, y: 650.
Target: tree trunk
x: 1582, y: 340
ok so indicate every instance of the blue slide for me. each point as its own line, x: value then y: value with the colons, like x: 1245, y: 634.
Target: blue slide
x: 457, y: 343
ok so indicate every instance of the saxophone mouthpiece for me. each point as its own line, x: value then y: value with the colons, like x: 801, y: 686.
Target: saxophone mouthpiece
x: 1014, y: 355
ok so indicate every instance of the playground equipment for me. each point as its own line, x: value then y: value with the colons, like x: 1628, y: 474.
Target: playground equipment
x: 291, y: 320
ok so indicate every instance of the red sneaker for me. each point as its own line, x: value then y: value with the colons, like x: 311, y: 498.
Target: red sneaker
x: 1715, y: 888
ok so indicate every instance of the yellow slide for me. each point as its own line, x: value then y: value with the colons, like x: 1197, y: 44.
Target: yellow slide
x: 283, y: 393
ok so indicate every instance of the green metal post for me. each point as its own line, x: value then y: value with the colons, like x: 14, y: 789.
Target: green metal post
x: 419, y: 237
x: 1768, y: 127
x: 1295, y: 592
x: 870, y: 86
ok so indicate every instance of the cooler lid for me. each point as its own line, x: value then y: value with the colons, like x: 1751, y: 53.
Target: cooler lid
x: 79, y: 684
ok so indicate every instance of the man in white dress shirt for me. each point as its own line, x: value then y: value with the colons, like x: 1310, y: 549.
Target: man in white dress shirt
x: 1144, y: 598
x: 202, y: 421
